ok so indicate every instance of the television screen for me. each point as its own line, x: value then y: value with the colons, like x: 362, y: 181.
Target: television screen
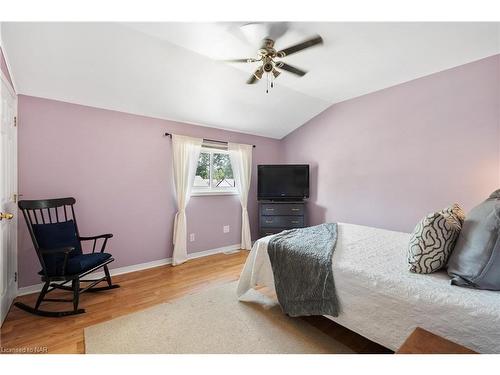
x: 283, y: 181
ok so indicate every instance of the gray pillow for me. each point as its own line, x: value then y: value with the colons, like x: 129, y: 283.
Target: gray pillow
x: 475, y: 261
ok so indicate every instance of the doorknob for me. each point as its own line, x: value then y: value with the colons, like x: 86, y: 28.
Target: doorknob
x: 6, y: 216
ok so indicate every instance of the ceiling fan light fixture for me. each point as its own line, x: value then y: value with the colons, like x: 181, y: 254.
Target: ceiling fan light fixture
x: 268, y: 66
x: 266, y: 56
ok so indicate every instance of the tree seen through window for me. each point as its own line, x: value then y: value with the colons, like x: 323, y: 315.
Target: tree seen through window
x: 221, y: 172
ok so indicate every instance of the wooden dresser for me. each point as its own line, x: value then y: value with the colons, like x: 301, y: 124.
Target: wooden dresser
x: 275, y: 217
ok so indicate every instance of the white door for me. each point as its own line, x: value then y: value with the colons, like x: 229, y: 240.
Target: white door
x: 8, y: 189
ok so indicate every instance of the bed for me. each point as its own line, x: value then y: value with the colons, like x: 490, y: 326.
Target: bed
x: 382, y: 301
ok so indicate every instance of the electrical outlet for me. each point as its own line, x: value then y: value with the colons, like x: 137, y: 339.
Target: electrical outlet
x: 191, y: 237
x: 225, y: 228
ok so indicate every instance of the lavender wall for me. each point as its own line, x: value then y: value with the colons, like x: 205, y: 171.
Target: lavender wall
x: 388, y: 158
x: 118, y: 167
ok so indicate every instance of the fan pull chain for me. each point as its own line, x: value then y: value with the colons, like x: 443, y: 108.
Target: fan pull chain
x: 269, y: 82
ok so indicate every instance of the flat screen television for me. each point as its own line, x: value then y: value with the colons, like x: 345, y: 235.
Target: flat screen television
x: 283, y: 182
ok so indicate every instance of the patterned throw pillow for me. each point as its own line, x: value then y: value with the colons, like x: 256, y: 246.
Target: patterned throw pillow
x: 434, y: 238
x: 456, y: 213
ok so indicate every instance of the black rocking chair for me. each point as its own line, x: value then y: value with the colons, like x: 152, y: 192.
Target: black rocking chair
x: 54, y: 232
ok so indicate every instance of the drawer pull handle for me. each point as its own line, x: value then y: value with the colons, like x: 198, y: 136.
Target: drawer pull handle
x: 295, y: 209
x: 269, y: 221
x: 269, y: 209
x: 295, y: 222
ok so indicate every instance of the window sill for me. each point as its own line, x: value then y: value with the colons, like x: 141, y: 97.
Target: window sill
x: 212, y: 192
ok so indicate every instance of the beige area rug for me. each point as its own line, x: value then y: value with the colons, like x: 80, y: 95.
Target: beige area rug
x: 212, y: 321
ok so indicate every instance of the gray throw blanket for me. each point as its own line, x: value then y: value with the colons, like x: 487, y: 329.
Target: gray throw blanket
x: 301, y: 260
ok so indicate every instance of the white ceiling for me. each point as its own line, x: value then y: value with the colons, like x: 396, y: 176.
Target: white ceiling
x: 171, y: 70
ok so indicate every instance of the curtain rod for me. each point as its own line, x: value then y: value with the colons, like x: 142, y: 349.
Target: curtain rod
x: 205, y: 139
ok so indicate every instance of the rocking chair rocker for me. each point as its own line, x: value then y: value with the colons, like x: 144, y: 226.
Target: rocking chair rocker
x: 54, y: 232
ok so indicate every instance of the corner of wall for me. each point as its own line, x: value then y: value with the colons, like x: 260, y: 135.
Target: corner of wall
x: 4, y: 63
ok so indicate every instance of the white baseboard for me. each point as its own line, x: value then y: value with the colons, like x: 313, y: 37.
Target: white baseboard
x: 29, y: 289
x: 141, y: 266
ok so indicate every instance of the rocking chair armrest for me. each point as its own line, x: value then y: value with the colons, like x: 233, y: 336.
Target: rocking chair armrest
x: 64, y: 250
x: 58, y: 250
x: 107, y: 235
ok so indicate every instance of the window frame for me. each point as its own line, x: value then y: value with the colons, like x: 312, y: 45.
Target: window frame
x: 201, y: 191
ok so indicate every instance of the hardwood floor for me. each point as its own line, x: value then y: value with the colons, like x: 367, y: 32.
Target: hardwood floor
x: 139, y: 290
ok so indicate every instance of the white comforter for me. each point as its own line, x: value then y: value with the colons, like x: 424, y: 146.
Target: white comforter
x: 381, y: 300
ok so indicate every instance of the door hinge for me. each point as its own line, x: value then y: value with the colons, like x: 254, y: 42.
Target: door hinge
x: 15, y: 120
x: 15, y: 276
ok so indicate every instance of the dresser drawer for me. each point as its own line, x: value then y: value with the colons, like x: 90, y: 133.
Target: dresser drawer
x: 282, y: 221
x: 268, y: 231
x: 287, y: 209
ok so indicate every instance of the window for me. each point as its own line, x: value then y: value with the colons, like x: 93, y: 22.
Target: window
x: 214, y: 174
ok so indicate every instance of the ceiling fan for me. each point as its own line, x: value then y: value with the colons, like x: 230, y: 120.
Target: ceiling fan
x: 267, y: 55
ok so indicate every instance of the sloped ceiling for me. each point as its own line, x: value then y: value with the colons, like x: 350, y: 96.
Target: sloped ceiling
x: 173, y: 70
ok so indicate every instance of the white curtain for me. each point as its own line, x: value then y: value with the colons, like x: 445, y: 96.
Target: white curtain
x: 185, y: 154
x: 241, y: 163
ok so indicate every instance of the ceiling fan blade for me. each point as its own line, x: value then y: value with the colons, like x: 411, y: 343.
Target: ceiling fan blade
x: 256, y: 76
x: 291, y: 69
x: 301, y: 46
x: 249, y: 60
